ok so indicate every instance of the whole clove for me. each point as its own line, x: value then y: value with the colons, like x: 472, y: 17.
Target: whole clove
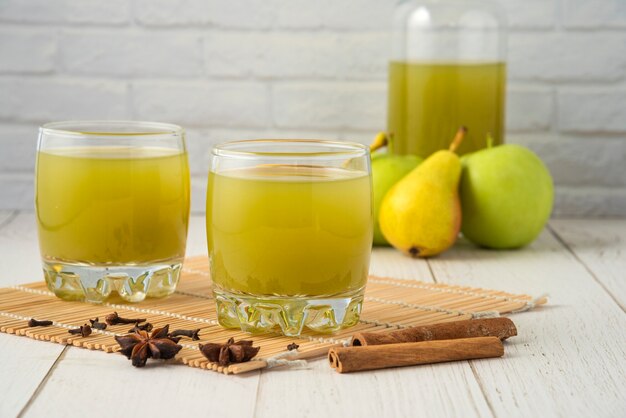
x: 142, y: 327
x: 83, y: 331
x: 35, y: 323
x: 292, y: 346
x: 191, y: 333
x: 115, y: 319
x: 96, y: 324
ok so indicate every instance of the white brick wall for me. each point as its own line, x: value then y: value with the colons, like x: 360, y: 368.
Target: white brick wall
x: 301, y: 68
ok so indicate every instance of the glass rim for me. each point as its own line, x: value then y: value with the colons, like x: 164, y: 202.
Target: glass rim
x: 110, y: 128
x: 328, y: 149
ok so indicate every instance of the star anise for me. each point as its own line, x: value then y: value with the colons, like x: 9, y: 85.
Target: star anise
x: 231, y: 352
x: 139, y: 346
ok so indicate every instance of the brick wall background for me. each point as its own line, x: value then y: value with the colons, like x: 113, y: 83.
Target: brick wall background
x: 306, y: 68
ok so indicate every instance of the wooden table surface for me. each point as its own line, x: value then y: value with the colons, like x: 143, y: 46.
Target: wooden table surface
x: 568, y: 360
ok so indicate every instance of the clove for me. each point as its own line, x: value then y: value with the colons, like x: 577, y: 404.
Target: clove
x: 191, y: 333
x: 143, y: 327
x: 34, y: 323
x: 96, y: 324
x: 115, y: 319
x: 292, y: 346
x: 83, y: 331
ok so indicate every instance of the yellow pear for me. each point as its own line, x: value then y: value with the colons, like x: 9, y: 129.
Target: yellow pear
x: 421, y: 214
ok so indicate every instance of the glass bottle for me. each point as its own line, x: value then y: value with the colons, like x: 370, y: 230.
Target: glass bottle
x: 447, y: 69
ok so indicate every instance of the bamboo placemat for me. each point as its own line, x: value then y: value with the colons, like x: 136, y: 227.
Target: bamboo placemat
x: 389, y: 303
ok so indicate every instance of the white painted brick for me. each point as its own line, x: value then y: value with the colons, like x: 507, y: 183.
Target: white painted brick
x: 122, y: 53
x: 240, y: 14
x: 593, y: 161
x: 256, y: 14
x: 18, y: 144
x: 592, y: 111
x: 27, y: 50
x: 299, y: 54
x: 222, y: 135
x: 198, y: 194
x: 583, y: 201
x: 65, y: 11
x: 330, y: 105
x: 529, y: 109
x: 306, y: 14
x: 530, y: 13
x: 39, y: 100
x: 364, y: 137
x: 594, y: 14
x: 199, y: 143
x: 333, y: 14
x: 16, y: 191
x: 377, y: 14
x: 172, y: 12
x: 203, y: 104
x: 585, y: 56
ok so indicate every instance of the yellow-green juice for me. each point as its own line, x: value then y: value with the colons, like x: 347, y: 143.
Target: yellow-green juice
x: 428, y: 101
x: 280, y: 236
x: 108, y: 207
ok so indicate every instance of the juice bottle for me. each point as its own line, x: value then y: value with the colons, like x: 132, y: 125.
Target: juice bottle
x: 428, y: 101
x: 447, y: 69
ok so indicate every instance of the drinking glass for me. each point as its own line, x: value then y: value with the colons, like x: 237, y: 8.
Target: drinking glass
x: 289, y: 228
x: 112, y: 201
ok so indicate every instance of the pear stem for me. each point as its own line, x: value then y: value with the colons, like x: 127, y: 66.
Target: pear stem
x: 381, y: 140
x: 458, y: 138
x: 489, y: 140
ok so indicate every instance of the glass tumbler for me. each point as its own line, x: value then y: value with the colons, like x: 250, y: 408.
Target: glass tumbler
x: 112, y: 202
x: 289, y: 228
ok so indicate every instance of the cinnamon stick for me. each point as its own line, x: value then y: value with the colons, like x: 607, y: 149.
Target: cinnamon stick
x: 502, y: 328
x: 353, y: 359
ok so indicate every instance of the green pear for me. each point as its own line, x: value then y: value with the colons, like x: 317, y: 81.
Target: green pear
x: 421, y: 214
x: 387, y: 170
x: 506, y: 195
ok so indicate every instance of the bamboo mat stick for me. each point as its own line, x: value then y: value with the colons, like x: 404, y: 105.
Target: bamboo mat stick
x: 389, y: 304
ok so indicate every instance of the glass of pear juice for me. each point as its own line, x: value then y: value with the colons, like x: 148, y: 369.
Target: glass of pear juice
x: 112, y: 203
x: 428, y: 101
x: 289, y: 230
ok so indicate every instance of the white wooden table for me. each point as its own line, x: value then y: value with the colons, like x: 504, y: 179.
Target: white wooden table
x: 568, y: 360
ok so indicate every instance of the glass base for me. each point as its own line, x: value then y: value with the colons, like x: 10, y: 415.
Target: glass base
x: 288, y: 315
x: 97, y: 283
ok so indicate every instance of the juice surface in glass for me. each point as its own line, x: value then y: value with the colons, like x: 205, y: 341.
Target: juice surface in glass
x: 428, y: 101
x: 289, y: 231
x: 104, y: 206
